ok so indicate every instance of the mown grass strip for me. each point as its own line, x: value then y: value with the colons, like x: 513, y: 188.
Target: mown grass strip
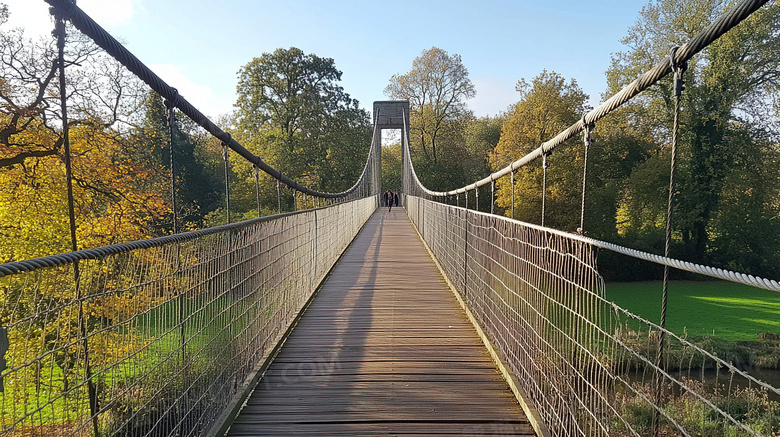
x: 731, y: 312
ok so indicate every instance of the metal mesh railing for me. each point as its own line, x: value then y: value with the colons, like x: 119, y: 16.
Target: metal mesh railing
x: 157, y: 340
x: 155, y: 337
x: 586, y: 364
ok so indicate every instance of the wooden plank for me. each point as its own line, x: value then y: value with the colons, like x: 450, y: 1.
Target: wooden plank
x: 353, y: 387
x: 383, y: 348
x: 385, y: 365
x: 306, y: 393
x: 437, y: 428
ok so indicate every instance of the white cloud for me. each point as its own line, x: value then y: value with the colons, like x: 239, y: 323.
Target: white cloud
x: 200, y: 96
x: 32, y: 15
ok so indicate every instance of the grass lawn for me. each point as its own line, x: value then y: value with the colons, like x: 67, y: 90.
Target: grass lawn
x: 722, y: 310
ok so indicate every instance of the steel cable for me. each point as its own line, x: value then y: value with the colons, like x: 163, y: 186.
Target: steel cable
x: 581, y: 359
x: 678, y: 69
x: 171, y: 113
x: 721, y: 25
x: 587, y: 140
x: 89, y: 27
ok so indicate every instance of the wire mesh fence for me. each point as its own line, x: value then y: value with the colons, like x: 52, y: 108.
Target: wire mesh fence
x: 587, y: 365
x: 156, y: 337
x: 156, y: 341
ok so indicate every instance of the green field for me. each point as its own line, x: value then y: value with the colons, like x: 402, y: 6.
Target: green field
x: 722, y: 310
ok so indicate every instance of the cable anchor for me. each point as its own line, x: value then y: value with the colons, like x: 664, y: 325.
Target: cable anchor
x: 226, y: 148
x: 587, y: 130
x: 678, y: 69
x: 170, y: 106
x: 587, y: 139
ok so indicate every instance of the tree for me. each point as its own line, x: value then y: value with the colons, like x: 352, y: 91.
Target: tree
x: 294, y: 115
x: 26, y: 72
x: 437, y: 88
x: 345, y: 137
x: 392, y: 174
x: 481, y: 137
x: 727, y: 86
x: 116, y: 197
x: 547, y: 106
x: 746, y: 227
x: 622, y: 151
x: 198, y: 186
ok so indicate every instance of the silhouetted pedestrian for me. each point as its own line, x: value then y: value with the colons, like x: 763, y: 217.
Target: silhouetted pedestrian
x: 396, y: 199
x: 390, y: 201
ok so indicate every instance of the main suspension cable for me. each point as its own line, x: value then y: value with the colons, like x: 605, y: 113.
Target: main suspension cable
x: 84, y: 23
x: 721, y: 25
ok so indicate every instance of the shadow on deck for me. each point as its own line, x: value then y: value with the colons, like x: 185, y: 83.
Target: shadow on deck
x: 384, y: 348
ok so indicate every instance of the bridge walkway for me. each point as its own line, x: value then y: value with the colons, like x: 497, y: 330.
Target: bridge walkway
x: 384, y: 348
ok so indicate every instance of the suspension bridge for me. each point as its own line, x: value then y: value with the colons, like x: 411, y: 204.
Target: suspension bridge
x: 347, y: 317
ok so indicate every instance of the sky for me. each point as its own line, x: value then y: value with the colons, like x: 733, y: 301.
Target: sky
x: 198, y: 46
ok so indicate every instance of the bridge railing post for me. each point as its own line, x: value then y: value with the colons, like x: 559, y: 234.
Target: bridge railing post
x: 512, y: 183
x: 82, y: 328
x: 257, y: 190
x: 492, y: 194
x: 225, y: 158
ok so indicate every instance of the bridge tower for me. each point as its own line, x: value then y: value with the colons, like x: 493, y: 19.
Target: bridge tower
x: 392, y: 114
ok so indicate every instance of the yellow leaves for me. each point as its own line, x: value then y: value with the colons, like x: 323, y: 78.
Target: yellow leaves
x: 548, y: 105
x: 116, y: 199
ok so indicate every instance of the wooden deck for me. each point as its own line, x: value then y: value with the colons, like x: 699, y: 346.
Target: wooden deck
x: 384, y: 348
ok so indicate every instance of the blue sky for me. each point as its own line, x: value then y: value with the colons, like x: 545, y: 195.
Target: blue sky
x: 198, y: 46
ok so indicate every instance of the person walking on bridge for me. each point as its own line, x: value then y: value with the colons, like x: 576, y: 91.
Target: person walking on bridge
x: 390, y: 197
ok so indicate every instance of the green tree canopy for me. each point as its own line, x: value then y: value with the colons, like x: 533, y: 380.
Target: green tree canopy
x: 548, y: 105
x: 198, y: 186
x: 437, y: 88
x: 481, y: 138
x: 292, y: 112
x: 727, y: 115
x: 392, y: 175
